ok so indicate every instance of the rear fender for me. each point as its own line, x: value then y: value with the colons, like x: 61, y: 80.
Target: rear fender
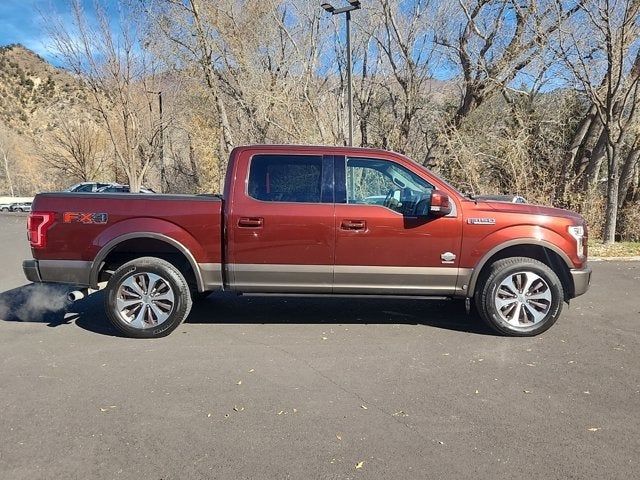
x: 154, y: 228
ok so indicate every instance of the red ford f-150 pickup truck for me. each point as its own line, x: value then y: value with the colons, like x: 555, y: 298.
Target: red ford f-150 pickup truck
x: 311, y: 219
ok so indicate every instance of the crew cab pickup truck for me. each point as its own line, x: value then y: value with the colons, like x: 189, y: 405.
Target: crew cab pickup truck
x: 312, y: 220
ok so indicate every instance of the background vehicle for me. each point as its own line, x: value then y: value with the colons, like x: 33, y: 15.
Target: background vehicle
x: 117, y: 188
x: 87, y: 187
x: 5, y: 207
x: 294, y: 220
x: 20, y: 207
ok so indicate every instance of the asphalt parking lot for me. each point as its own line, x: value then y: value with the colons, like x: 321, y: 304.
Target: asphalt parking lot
x: 273, y: 388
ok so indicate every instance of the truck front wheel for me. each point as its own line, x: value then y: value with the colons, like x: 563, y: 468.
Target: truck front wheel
x: 520, y: 297
x: 147, y: 298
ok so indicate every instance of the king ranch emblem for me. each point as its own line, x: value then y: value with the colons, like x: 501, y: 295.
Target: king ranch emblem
x: 89, y: 218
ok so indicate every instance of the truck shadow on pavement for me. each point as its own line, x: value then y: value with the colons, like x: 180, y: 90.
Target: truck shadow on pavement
x: 48, y: 304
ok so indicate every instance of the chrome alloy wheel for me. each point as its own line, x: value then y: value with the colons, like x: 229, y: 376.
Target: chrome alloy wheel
x: 523, y: 299
x: 145, y: 300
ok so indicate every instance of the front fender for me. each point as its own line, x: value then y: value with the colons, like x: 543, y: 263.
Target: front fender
x: 497, y: 241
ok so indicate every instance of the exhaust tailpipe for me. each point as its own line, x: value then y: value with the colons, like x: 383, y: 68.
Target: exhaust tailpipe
x: 84, y: 292
x: 77, y: 295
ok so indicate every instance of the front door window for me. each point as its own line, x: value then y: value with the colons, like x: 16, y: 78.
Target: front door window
x: 384, y: 183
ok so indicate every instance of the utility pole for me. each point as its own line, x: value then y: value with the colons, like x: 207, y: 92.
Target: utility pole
x: 353, y: 5
x: 163, y: 173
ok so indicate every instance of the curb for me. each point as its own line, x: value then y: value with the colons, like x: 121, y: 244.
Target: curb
x: 614, y: 259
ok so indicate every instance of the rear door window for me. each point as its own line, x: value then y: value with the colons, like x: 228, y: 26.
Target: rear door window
x: 286, y: 178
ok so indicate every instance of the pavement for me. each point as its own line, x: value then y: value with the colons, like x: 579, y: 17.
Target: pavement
x: 275, y: 388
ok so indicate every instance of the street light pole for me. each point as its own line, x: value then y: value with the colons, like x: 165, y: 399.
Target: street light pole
x: 349, y: 81
x: 353, y: 5
x: 163, y: 176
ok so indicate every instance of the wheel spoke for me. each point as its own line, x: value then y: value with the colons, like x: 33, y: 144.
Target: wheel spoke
x: 138, y: 320
x: 126, y: 304
x: 132, y: 286
x: 501, y: 303
x: 537, y: 315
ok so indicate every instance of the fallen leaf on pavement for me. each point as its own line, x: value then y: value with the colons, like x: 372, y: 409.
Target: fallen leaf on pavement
x: 359, y: 465
x: 593, y: 429
x: 364, y: 407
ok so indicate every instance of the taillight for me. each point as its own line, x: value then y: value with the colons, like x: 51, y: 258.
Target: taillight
x: 37, y: 225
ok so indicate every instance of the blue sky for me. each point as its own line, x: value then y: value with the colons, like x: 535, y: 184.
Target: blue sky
x: 21, y: 22
x: 24, y: 21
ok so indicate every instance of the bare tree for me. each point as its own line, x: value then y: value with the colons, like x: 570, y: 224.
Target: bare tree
x: 4, y: 151
x: 76, y: 148
x: 493, y: 41
x: 122, y: 79
x: 600, y: 50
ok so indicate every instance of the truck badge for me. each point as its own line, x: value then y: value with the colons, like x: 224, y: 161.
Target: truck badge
x: 448, y: 257
x: 481, y: 221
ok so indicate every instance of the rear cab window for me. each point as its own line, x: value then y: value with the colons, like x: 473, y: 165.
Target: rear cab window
x: 286, y: 178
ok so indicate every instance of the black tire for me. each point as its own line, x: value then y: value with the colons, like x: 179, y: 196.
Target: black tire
x: 5, y: 209
x: 19, y: 210
x: 171, y: 284
x: 532, y: 316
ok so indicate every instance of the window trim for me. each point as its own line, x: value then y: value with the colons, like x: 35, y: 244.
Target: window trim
x: 327, y: 180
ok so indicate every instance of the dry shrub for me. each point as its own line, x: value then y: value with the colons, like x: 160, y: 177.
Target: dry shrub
x: 629, y: 226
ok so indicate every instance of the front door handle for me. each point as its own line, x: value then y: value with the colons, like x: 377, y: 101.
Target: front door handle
x: 251, y: 222
x: 353, y: 225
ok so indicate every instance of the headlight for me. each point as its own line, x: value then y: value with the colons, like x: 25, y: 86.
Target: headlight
x: 577, y: 232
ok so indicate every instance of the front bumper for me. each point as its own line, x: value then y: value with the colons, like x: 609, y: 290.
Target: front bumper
x: 581, y: 280
x: 74, y: 272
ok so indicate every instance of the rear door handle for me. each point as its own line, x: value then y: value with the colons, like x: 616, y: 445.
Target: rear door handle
x: 251, y: 222
x: 353, y: 225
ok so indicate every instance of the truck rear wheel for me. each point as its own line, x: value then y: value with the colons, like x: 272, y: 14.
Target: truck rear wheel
x: 520, y: 297
x: 147, y: 298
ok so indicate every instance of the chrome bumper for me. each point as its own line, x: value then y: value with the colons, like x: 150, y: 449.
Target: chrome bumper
x: 581, y: 280
x: 74, y: 272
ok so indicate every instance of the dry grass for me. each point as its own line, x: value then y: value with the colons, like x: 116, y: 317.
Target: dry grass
x: 618, y: 249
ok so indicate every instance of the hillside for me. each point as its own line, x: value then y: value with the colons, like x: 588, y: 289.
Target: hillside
x: 33, y: 93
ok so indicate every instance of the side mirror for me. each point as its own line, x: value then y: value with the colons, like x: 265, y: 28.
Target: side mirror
x: 440, y: 204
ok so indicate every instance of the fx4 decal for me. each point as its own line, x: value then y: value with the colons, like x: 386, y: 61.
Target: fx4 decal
x: 85, y: 218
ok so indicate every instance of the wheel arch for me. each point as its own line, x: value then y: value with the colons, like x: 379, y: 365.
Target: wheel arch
x: 172, y: 247
x: 541, y: 250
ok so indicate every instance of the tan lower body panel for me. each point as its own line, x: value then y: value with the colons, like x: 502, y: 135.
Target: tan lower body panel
x: 280, y: 278
x: 381, y: 280
x: 211, y: 274
x: 395, y: 280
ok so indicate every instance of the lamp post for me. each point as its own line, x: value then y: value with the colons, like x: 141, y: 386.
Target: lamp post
x: 161, y: 139
x: 353, y: 5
